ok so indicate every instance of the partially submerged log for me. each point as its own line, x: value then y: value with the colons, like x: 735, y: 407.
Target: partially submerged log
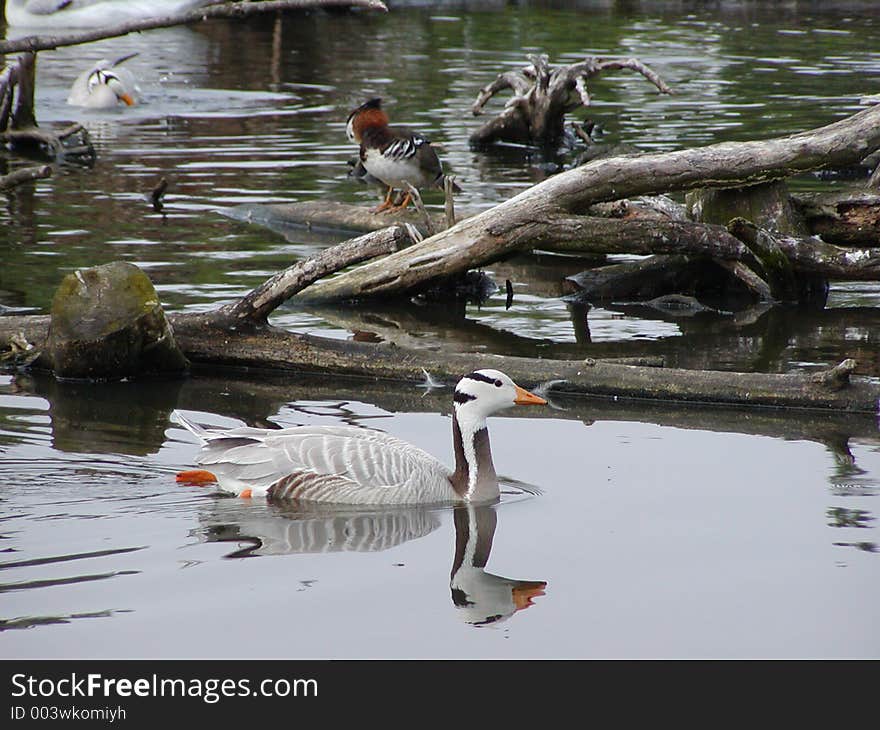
x: 205, y: 340
x: 326, y: 215
x: 658, y: 276
x: 254, y: 308
x: 542, y: 95
x: 18, y: 123
x: 25, y: 174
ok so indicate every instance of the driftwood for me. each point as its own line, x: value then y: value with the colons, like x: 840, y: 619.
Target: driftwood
x: 224, y: 10
x: 26, y: 174
x: 72, y: 143
x: 18, y: 125
x: 850, y: 218
x: 508, y: 227
x: 255, y: 308
x: 17, y: 93
x: 542, y: 95
x: 237, y: 335
x: 204, y: 339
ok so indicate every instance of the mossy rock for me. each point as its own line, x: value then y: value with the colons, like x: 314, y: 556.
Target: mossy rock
x: 107, y: 323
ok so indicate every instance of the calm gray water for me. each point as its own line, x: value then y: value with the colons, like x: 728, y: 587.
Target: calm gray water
x: 660, y: 532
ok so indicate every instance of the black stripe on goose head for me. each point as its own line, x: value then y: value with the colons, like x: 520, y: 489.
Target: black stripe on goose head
x: 460, y: 397
x: 476, y: 375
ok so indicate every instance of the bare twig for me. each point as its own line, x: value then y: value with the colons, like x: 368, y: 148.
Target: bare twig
x: 448, y: 189
x: 225, y: 10
x: 420, y: 207
x: 157, y: 194
x: 513, y: 80
x: 633, y: 64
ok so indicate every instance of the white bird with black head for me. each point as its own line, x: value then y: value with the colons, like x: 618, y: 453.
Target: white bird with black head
x: 105, y: 85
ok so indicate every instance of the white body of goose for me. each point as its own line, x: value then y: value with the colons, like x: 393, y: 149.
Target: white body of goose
x: 104, y: 86
x: 88, y: 14
x: 350, y: 465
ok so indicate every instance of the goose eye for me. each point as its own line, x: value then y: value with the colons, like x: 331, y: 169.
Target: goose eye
x: 498, y: 384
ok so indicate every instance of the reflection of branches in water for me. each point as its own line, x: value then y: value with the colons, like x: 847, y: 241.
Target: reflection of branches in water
x: 868, y: 547
x: 843, y: 517
x: 337, y: 411
x: 760, y: 339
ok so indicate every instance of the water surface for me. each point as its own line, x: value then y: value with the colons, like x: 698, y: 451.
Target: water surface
x: 660, y: 531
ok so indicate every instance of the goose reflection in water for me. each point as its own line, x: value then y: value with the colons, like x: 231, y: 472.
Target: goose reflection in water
x: 480, y: 598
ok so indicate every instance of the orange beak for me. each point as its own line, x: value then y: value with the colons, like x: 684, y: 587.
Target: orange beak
x: 127, y: 99
x: 525, y: 593
x: 524, y: 398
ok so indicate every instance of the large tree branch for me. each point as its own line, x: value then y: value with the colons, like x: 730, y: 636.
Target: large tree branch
x: 256, y: 306
x: 26, y: 174
x: 225, y: 10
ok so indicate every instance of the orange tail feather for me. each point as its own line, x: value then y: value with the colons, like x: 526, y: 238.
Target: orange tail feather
x: 196, y: 476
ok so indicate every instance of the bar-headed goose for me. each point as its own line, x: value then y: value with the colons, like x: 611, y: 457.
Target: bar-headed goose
x: 91, y: 14
x: 105, y: 85
x: 351, y: 465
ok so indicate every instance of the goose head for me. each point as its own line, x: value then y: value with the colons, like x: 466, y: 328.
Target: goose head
x: 477, y: 396
x: 104, y: 86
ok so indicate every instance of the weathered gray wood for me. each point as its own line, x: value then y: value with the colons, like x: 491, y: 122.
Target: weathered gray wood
x: 256, y: 306
x: 543, y: 94
x: 225, y: 10
x: 327, y: 215
x: 845, y: 218
x: 23, y: 114
x: 766, y: 204
x: 812, y: 255
x: 494, y: 233
x: 26, y: 174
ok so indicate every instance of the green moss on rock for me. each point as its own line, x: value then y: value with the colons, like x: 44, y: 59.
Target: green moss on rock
x: 107, y: 323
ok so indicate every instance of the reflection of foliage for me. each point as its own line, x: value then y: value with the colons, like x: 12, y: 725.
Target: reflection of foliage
x: 868, y: 547
x: 843, y: 517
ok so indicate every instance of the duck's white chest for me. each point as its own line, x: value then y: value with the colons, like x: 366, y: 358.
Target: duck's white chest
x: 394, y: 172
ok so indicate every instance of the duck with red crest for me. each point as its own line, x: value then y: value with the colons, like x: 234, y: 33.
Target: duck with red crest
x: 394, y: 155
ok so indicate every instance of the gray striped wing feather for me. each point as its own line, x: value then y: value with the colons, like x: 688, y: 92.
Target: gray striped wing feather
x: 341, y: 464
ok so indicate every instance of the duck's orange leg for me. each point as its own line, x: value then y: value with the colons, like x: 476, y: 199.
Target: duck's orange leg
x: 405, y: 202
x: 196, y: 476
x: 386, y: 203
